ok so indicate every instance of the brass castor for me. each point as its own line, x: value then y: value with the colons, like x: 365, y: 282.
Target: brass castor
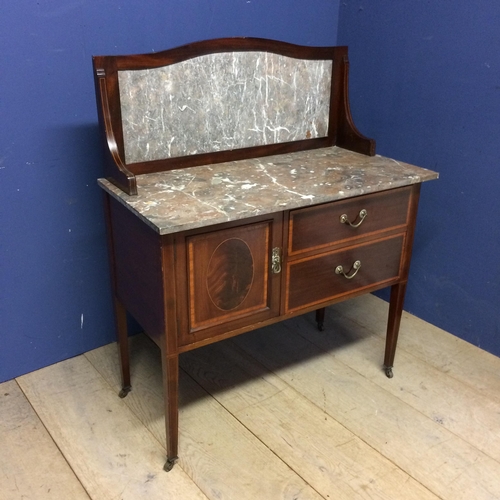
x: 169, y: 464
x: 125, y: 390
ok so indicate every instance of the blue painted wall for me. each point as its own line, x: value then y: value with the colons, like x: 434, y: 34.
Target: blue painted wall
x: 425, y: 83
x: 54, y: 286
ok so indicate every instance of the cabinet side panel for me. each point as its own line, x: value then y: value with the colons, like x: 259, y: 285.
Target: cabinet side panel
x: 138, y: 269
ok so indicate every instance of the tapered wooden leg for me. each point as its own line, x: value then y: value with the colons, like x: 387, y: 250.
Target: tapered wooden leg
x: 171, y: 393
x: 393, y: 323
x: 320, y: 318
x: 122, y: 335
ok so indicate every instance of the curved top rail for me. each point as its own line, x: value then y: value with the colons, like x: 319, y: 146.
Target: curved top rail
x: 219, y: 45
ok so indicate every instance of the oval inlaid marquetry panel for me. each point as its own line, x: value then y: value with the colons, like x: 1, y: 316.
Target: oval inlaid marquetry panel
x: 230, y: 274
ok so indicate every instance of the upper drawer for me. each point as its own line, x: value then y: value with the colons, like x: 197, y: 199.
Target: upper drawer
x: 319, y: 226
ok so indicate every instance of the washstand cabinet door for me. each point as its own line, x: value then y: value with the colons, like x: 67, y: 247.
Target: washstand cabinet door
x: 231, y: 281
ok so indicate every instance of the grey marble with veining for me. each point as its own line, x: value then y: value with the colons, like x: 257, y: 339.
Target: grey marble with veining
x: 195, y: 197
x: 232, y: 100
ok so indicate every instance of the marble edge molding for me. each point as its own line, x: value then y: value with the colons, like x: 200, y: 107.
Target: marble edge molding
x: 175, y: 210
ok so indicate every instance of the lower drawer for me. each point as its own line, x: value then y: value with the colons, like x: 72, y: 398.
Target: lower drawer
x: 314, y: 280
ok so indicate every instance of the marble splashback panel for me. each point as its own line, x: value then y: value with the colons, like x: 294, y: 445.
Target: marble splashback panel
x: 178, y: 200
x: 221, y: 102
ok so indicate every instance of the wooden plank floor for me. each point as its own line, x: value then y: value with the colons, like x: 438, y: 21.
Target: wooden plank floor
x: 285, y: 412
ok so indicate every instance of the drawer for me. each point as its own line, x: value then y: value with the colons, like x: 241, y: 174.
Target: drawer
x: 317, y: 227
x: 314, y: 280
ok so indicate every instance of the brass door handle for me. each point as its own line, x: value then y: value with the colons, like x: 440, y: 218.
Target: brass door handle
x: 276, y: 260
x: 356, y: 267
x: 362, y: 214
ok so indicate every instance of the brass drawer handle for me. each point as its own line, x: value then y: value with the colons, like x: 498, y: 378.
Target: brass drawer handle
x: 362, y: 214
x: 356, y: 266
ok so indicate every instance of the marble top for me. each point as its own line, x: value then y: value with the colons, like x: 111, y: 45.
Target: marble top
x: 195, y: 197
